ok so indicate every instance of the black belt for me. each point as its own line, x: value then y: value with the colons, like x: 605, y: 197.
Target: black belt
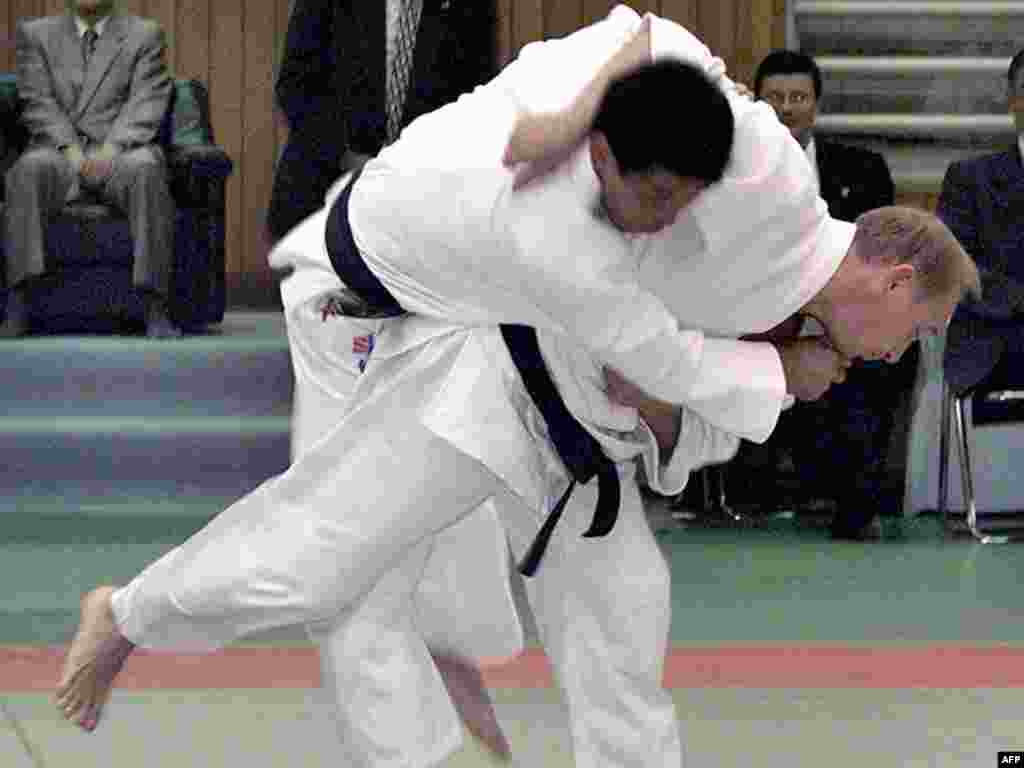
x: 348, y: 262
x: 577, y: 448
x: 579, y: 451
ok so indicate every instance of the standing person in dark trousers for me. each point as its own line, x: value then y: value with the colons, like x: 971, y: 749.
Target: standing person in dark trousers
x: 846, y: 434
x: 354, y: 73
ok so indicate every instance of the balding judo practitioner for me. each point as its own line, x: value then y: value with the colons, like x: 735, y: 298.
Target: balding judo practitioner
x: 446, y: 416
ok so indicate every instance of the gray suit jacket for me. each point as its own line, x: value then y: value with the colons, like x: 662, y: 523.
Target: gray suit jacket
x: 120, y: 100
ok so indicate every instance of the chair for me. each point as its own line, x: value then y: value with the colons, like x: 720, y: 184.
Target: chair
x: 996, y: 398
x: 713, y: 503
x: 88, y: 285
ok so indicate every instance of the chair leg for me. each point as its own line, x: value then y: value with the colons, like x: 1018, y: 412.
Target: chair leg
x: 721, y: 504
x: 944, y: 419
x: 967, y: 481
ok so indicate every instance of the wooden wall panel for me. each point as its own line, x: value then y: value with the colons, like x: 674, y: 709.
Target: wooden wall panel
x: 681, y: 11
x: 163, y: 11
x: 191, y: 48
x: 594, y: 10
x: 505, y: 32
x: 6, y: 38
x: 528, y: 21
x: 740, y: 31
x: 226, y: 80
x: 258, y: 144
x: 233, y: 46
x: 562, y: 17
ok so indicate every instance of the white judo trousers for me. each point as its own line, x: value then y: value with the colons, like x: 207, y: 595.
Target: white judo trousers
x: 375, y: 668
x: 312, y: 545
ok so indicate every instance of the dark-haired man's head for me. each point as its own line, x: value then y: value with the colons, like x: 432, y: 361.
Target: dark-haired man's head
x: 790, y: 82
x: 1015, y: 90
x: 662, y: 134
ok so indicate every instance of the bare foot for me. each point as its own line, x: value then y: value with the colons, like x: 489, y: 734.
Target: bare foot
x: 466, y: 688
x: 92, y: 662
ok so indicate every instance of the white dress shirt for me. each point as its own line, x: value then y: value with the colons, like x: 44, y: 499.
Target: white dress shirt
x: 811, y: 150
x: 99, y: 26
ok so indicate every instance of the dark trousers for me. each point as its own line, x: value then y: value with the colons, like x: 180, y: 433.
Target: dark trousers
x: 839, y: 446
x: 307, y: 167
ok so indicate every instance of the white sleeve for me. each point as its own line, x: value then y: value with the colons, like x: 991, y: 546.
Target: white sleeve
x: 699, y: 444
x: 547, y: 75
x: 671, y: 40
x: 736, y: 385
x: 597, y: 300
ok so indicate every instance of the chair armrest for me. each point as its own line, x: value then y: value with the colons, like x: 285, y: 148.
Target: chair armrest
x: 197, y: 173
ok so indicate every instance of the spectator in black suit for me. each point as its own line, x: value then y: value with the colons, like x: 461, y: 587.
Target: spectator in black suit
x: 839, y: 445
x: 346, y: 88
x: 982, y: 202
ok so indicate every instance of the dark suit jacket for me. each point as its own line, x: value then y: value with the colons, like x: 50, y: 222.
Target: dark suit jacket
x: 331, y: 88
x: 124, y: 97
x: 982, y: 202
x: 853, y: 180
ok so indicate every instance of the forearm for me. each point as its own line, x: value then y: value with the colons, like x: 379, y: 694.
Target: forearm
x: 664, y: 421
x: 698, y: 444
x: 635, y: 53
x: 736, y: 386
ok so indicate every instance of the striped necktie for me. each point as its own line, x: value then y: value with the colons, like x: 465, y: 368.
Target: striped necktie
x: 401, y: 68
x: 88, y: 45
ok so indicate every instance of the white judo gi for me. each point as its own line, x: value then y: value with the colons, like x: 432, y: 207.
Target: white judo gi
x: 440, y: 423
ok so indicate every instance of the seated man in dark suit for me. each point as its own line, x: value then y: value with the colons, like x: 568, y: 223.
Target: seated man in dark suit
x: 982, y: 202
x: 96, y: 86
x: 851, y: 426
x: 354, y: 74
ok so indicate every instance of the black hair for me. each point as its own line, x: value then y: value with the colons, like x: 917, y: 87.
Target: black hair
x: 1013, y: 73
x: 667, y: 115
x: 786, y: 62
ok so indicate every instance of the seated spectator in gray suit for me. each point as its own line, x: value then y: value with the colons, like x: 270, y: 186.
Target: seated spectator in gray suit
x: 96, y: 86
x: 982, y: 202
x: 851, y: 426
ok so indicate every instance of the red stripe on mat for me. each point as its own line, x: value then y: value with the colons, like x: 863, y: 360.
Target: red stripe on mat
x: 25, y: 668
